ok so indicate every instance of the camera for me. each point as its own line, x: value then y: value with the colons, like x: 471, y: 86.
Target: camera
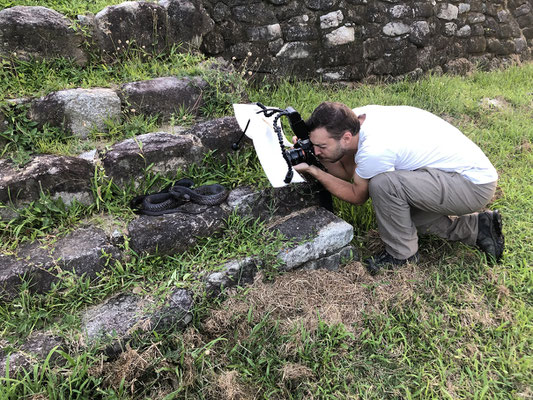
x: 303, y: 148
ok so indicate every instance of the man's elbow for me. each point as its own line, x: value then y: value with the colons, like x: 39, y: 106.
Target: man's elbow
x: 359, y: 200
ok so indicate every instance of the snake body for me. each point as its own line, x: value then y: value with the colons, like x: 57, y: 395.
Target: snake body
x: 170, y: 199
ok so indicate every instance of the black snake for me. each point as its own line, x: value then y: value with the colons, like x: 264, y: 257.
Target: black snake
x: 170, y: 199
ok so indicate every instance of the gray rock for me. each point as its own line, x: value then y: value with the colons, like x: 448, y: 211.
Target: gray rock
x: 138, y: 24
x: 340, y: 36
x: 331, y: 20
x: 218, y: 134
x: 38, y: 32
x: 128, y: 160
x: 164, y: 96
x: 273, y: 202
x: 63, y: 177
x: 333, y: 261
x: 450, y: 29
x: 475, y: 18
x: 264, y: 33
x: 34, y: 350
x: 122, y: 315
x: 177, y: 232
x: 318, y: 233
x: 232, y: 273
x: 460, y: 66
x: 447, y: 11
x: 295, y: 50
x: 188, y: 21
x: 463, y: 7
x: 78, y: 111
x: 85, y: 251
x: 419, y: 33
x: 401, y: 11
x: 299, y: 32
x: 323, y: 5
x: 396, y: 29
x: 256, y: 13
x: 464, y: 31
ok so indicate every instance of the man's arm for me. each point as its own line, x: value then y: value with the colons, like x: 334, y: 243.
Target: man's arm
x: 355, y: 192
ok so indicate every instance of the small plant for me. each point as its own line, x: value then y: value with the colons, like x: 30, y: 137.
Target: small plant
x: 23, y: 137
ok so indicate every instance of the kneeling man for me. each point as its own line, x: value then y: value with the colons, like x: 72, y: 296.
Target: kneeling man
x: 423, y: 175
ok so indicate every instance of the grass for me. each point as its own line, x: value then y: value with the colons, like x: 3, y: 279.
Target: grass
x: 449, y: 328
x: 70, y: 8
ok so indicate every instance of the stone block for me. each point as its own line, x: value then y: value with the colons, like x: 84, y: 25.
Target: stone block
x: 334, y: 261
x: 320, y: 5
x: 420, y: 33
x: 331, y: 20
x: 295, y: 50
x: 231, y: 274
x: 164, y: 96
x: 264, y: 33
x: 77, y: 111
x: 85, y: 251
x: 128, y: 160
x: 400, y: 11
x: 476, y: 44
x: 138, y: 24
x: 464, y: 31
x: 254, y: 13
x: 396, y: 29
x: 275, y: 202
x: 340, y: 36
x: 188, y: 21
x: 35, y: 349
x: 218, y: 135
x: 317, y: 233
x: 63, y: 177
x: 38, y: 32
x: 460, y: 66
x: 177, y: 232
x: 299, y: 32
x: 423, y: 10
x: 447, y: 11
x: 120, y: 316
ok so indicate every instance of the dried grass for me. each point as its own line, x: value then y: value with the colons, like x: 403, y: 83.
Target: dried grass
x: 307, y: 297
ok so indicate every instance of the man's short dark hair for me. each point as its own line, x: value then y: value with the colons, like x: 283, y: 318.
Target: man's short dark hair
x: 337, y: 118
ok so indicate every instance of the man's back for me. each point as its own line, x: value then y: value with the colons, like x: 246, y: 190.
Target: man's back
x: 408, y: 138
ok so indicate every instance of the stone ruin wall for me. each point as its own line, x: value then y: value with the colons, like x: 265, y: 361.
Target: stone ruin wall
x: 327, y: 39
x: 354, y: 39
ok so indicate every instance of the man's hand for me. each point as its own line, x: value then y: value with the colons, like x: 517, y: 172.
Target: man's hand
x: 302, y: 168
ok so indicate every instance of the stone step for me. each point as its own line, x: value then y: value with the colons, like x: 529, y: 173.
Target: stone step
x: 86, y: 251
x: 126, y: 162
x: 316, y: 238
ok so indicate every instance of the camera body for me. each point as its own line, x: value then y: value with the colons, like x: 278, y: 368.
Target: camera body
x: 303, y: 148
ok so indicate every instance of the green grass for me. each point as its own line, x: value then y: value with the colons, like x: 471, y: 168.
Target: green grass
x: 450, y: 328
x: 70, y: 8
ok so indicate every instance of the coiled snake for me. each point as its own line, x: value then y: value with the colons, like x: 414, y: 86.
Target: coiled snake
x: 170, y: 199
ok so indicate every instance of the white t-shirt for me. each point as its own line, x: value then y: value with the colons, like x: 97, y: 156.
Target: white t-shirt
x: 408, y: 138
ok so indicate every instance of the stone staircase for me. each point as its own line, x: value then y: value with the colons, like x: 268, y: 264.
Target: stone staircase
x: 316, y: 238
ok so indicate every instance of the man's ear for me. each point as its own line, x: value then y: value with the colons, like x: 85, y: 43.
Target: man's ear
x: 347, y: 136
x: 361, y: 118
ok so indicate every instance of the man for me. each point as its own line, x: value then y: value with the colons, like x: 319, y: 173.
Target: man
x: 417, y: 168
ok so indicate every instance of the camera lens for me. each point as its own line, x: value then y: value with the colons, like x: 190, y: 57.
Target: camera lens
x: 296, y: 156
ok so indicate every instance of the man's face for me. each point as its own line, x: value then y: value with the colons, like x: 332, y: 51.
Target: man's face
x: 325, y: 147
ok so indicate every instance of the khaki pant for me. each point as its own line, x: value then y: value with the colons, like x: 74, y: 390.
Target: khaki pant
x: 407, y: 202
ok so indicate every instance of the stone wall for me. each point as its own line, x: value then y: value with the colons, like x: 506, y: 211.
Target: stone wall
x: 327, y: 39
x: 353, y: 39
